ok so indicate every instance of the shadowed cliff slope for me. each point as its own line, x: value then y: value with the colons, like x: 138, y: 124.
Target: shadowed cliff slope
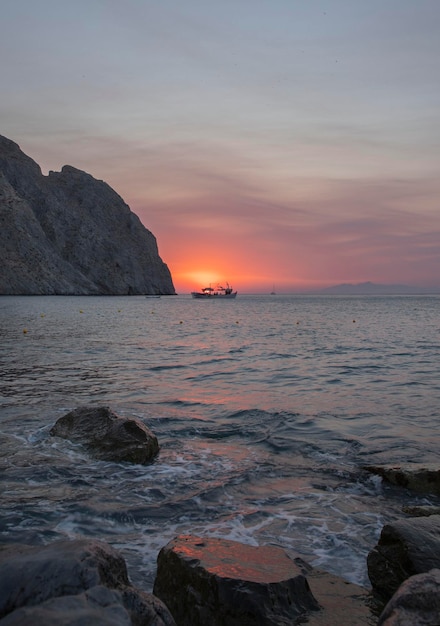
x: 68, y: 233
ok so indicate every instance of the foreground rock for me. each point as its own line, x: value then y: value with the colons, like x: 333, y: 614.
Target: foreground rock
x: 68, y: 233
x: 110, y: 437
x: 215, y: 581
x: 405, y: 548
x: 78, y: 582
x: 97, y: 606
x: 419, y: 478
x: 417, y: 601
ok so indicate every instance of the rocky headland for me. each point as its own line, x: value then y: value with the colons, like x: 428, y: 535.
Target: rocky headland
x: 70, y: 234
x: 209, y: 580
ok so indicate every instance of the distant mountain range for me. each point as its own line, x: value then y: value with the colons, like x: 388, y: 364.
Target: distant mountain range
x: 369, y: 288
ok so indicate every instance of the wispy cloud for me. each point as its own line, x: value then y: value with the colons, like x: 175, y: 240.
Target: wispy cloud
x: 294, y: 140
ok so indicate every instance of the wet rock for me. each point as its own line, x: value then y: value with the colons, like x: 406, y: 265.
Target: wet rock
x: 110, y: 437
x: 98, y: 606
x: 217, y: 582
x: 72, y: 582
x: 421, y: 511
x: 341, y: 603
x: 405, y: 548
x: 417, y: 601
x: 31, y: 575
x: 419, y: 478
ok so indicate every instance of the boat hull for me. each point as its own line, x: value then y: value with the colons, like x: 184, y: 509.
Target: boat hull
x: 214, y: 296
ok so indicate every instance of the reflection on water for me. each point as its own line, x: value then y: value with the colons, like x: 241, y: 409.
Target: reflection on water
x: 265, y: 408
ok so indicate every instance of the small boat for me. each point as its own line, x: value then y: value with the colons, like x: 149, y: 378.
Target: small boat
x: 218, y: 292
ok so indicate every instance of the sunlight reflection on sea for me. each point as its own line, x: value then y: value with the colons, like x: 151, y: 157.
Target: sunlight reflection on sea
x: 266, y: 409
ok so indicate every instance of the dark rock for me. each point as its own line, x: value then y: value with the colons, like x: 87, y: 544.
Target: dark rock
x: 110, y: 437
x: 31, y: 575
x: 217, y: 582
x: 420, y: 478
x: 68, y: 233
x: 145, y: 609
x: 416, y: 602
x: 405, y: 548
x: 98, y: 606
x: 77, y: 582
x: 421, y: 511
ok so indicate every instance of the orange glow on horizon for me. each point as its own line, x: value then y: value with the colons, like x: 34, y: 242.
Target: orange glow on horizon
x: 194, y: 270
x: 187, y: 280
x: 244, y: 271
x: 198, y: 279
x: 201, y: 278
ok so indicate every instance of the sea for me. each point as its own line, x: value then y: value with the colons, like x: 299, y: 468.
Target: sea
x: 266, y: 408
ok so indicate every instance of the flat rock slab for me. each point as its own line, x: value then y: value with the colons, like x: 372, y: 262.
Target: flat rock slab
x: 419, y: 478
x: 109, y: 436
x: 215, y: 581
x: 342, y: 603
x: 220, y: 582
x: 406, y: 547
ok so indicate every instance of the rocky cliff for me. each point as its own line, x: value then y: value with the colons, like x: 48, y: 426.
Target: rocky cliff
x: 68, y: 233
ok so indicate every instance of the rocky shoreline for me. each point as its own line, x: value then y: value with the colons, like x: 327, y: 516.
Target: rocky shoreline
x: 206, y: 580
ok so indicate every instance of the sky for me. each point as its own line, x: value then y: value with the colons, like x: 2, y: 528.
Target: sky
x: 273, y: 144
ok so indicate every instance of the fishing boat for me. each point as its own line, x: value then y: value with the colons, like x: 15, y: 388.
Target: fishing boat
x: 219, y: 292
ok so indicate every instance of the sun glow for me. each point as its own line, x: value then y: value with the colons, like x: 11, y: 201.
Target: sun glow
x: 203, y: 278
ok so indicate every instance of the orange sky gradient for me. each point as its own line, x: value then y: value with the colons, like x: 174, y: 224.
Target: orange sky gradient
x: 292, y: 145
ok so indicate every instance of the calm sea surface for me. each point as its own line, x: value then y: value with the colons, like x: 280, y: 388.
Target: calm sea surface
x: 266, y: 408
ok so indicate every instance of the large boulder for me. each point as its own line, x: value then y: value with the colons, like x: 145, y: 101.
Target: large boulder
x: 110, y: 437
x: 72, y: 582
x: 419, y: 478
x: 417, y: 601
x: 98, y: 606
x: 216, y: 581
x: 405, y: 548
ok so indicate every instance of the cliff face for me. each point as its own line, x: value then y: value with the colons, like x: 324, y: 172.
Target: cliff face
x: 68, y: 233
